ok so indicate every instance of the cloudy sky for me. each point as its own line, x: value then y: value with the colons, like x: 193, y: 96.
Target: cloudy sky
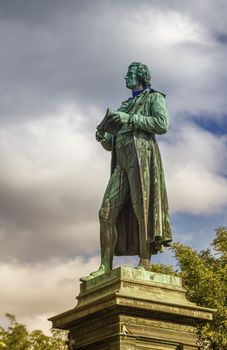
x: 62, y: 64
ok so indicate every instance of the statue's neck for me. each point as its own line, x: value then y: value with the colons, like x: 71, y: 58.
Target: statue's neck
x: 136, y: 92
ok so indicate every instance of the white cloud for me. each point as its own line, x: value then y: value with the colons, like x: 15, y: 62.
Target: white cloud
x: 52, y: 180
x: 186, y: 60
x: 34, y: 292
x: 195, y: 162
x: 167, y: 28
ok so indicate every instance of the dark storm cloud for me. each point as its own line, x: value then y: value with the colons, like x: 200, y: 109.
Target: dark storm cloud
x: 55, y: 52
x: 222, y: 38
x: 40, y: 11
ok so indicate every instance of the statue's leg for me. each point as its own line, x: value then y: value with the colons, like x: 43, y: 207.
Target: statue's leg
x: 114, y: 199
x: 116, y: 195
x: 144, y: 253
x: 136, y: 191
x: 108, y: 238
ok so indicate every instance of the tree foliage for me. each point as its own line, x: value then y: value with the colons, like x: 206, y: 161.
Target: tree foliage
x: 204, y: 276
x: 17, y: 337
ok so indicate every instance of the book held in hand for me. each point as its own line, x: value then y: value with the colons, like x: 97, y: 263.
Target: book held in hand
x: 108, y: 124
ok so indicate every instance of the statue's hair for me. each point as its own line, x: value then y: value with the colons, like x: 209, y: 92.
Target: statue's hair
x: 143, y: 73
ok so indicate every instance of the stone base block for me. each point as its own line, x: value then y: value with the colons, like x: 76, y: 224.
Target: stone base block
x: 130, y: 309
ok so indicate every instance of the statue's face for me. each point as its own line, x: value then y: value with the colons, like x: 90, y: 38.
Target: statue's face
x: 131, y: 78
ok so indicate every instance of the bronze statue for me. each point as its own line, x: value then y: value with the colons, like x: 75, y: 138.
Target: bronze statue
x: 134, y: 216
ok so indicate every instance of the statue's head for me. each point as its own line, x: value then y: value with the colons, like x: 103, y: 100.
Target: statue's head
x: 138, y: 75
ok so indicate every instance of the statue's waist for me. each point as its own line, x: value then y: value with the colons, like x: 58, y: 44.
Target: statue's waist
x: 128, y: 136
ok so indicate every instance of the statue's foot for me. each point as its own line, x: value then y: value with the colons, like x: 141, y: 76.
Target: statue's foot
x: 86, y: 278
x: 140, y: 267
x: 143, y: 265
x: 103, y: 269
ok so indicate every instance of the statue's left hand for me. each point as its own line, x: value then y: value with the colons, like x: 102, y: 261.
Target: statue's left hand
x: 120, y: 117
x: 99, y: 136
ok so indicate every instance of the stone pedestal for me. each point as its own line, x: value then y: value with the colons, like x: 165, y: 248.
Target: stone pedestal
x: 131, y: 309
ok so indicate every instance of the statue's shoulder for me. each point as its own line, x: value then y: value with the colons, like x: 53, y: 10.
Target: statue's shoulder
x: 152, y: 91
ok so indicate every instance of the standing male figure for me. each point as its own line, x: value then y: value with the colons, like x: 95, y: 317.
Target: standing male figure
x: 134, y: 216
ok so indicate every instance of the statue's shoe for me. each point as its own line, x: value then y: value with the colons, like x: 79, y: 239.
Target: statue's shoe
x: 100, y: 271
x: 143, y: 265
x: 86, y: 278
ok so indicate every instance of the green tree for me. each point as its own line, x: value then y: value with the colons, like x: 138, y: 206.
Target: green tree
x: 204, y: 275
x: 17, y: 337
x: 40, y: 341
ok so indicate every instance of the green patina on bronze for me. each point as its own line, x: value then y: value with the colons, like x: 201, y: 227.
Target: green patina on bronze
x: 134, y: 216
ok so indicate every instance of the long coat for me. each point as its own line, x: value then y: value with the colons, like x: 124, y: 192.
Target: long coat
x: 149, y: 116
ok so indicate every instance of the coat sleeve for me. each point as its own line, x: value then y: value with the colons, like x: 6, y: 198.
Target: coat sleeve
x: 158, y: 120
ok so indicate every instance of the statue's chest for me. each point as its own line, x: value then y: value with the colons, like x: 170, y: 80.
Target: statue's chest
x: 137, y: 107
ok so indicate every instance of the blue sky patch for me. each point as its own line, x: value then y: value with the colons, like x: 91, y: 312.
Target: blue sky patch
x: 214, y: 126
